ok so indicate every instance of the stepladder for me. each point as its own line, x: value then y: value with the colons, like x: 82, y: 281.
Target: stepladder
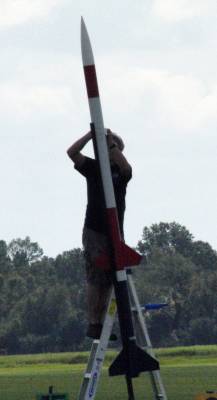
x: 99, y: 346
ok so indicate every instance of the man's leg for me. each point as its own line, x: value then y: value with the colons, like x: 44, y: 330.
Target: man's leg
x: 97, y: 300
x: 99, y: 282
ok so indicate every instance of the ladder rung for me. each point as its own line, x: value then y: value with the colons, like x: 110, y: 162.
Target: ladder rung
x: 87, y: 375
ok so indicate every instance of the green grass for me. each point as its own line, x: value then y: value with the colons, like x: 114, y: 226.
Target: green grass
x: 186, y: 371
x: 170, y: 354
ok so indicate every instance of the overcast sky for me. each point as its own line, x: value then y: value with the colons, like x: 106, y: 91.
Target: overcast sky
x: 156, y: 62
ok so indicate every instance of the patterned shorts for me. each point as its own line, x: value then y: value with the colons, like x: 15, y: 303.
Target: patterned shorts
x: 95, y: 243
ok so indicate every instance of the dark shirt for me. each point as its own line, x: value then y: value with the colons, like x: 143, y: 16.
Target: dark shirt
x: 95, y: 213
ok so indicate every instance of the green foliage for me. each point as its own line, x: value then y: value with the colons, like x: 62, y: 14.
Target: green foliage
x: 183, y: 273
x: 42, y: 306
x: 170, y: 238
x: 24, y: 252
x: 43, y: 299
x: 204, y: 256
x: 5, y: 262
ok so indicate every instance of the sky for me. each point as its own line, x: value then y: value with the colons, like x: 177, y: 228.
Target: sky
x: 156, y: 64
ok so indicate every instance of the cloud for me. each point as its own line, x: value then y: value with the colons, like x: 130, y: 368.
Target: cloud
x: 173, y: 100
x: 186, y: 102
x: 178, y: 101
x: 16, y: 12
x: 42, y: 88
x: 25, y: 102
x: 178, y: 10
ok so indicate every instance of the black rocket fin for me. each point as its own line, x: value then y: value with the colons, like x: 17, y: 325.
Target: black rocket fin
x: 139, y: 361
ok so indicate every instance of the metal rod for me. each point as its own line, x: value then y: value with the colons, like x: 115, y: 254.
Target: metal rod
x: 130, y: 388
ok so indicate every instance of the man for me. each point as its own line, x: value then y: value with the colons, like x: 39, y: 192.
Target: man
x: 94, y: 237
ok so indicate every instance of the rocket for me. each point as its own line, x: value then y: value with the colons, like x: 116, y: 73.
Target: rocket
x: 132, y: 359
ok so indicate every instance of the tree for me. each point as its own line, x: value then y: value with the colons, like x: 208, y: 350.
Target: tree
x: 203, y: 295
x: 204, y: 256
x: 169, y: 237
x: 5, y: 262
x: 23, y: 252
x: 43, y: 299
x: 70, y: 266
x: 203, y: 330
x: 179, y: 270
x: 166, y: 278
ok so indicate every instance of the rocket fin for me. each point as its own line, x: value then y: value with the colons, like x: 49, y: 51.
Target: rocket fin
x: 130, y: 256
x: 124, y: 257
x: 131, y: 364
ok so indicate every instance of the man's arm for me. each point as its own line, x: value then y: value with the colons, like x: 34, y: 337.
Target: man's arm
x: 74, y: 151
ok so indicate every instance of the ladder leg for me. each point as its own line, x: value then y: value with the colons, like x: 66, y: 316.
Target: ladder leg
x: 156, y: 380
x: 97, y: 354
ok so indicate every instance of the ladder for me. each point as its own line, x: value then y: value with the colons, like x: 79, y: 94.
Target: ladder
x: 98, y: 349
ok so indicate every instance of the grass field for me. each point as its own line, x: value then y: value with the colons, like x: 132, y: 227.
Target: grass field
x: 186, y: 371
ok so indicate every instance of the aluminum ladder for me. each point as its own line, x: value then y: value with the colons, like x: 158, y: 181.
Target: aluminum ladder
x: 99, y: 346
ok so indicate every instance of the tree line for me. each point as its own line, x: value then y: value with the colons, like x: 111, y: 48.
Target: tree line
x: 43, y: 299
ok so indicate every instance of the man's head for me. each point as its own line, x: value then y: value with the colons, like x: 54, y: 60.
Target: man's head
x: 113, y: 137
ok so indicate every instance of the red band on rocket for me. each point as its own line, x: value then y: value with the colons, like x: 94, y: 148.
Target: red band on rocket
x: 91, y: 81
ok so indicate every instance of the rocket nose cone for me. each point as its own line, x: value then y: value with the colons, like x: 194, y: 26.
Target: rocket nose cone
x: 86, y: 50
x: 84, y: 33
x: 82, y: 28
x: 82, y: 22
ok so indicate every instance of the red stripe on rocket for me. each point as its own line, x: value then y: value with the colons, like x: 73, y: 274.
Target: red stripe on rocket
x: 91, y: 81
